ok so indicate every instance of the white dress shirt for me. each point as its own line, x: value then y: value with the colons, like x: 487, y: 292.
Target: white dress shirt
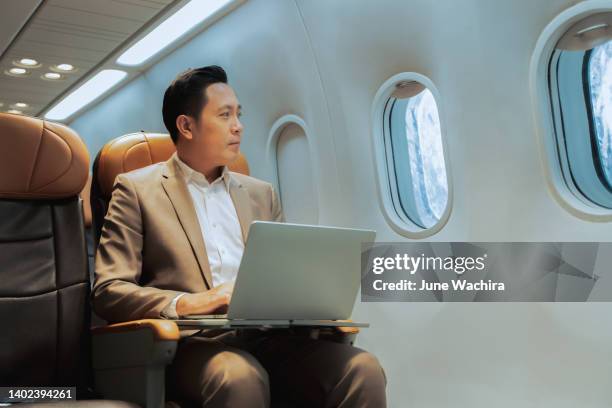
x: 219, y: 225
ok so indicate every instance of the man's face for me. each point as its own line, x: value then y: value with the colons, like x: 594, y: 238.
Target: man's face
x: 217, y: 131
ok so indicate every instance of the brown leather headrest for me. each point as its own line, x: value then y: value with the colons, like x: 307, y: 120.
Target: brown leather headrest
x: 240, y: 165
x: 136, y: 150
x: 40, y: 159
x: 130, y: 152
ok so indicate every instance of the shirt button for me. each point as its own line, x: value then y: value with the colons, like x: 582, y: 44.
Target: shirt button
x: 214, y: 225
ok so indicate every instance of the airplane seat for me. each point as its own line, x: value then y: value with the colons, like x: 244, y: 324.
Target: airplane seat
x: 122, y: 154
x: 130, y: 152
x: 44, y: 295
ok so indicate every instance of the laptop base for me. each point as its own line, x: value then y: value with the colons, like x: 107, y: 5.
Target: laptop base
x: 248, y: 323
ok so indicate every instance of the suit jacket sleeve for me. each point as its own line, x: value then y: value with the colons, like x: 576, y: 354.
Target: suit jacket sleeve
x: 277, y: 211
x: 117, y: 294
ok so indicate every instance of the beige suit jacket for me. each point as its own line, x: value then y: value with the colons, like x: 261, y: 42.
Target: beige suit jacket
x: 151, y: 247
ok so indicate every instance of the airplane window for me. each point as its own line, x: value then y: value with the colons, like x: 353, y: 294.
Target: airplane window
x: 580, y: 80
x: 416, y: 159
x: 600, y: 87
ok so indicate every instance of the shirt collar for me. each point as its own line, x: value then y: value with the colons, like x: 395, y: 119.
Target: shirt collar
x: 193, y: 176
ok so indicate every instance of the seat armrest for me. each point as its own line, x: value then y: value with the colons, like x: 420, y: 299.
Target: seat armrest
x: 347, y: 331
x: 346, y: 335
x: 339, y: 334
x: 130, y: 358
x: 161, y: 329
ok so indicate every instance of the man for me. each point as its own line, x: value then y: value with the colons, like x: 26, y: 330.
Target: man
x: 171, y: 244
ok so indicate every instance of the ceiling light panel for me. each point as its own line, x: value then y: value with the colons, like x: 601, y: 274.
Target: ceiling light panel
x: 85, y: 94
x: 174, y: 27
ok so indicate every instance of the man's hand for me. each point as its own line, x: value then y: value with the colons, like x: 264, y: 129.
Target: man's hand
x: 215, y: 299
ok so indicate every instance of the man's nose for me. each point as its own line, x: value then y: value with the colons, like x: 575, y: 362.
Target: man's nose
x: 237, y: 126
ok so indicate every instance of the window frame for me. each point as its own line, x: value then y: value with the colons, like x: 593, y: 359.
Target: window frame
x: 276, y: 130
x: 547, y: 114
x: 388, y: 194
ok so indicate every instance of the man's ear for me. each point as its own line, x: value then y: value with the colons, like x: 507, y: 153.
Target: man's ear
x: 184, y: 124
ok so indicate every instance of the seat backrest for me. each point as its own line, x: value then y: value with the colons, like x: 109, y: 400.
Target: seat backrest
x: 44, y: 294
x: 85, y: 196
x: 126, y: 153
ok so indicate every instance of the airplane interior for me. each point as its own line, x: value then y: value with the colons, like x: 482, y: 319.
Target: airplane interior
x: 429, y: 122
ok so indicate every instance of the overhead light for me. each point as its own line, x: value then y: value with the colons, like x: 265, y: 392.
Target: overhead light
x: 21, y: 105
x: 28, y: 61
x: 86, y: 93
x: 18, y: 71
x: 174, y: 27
x: 15, y: 111
x: 65, y: 67
x: 52, y: 75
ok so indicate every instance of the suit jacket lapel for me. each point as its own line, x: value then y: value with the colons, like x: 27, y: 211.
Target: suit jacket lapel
x: 177, y: 192
x: 242, y: 203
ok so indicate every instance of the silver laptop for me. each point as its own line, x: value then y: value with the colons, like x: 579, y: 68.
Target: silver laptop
x: 297, y: 272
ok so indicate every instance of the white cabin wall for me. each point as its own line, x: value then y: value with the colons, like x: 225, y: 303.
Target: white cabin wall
x: 477, y: 53
x: 324, y: 61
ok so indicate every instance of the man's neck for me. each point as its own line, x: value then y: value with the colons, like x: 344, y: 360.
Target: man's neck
x: 210, y: 172
x: 213, y: 174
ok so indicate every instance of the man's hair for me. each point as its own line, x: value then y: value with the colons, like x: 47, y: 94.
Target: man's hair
x: 186, y: 95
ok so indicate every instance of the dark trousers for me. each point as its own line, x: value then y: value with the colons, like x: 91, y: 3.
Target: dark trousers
x: 277, y: 368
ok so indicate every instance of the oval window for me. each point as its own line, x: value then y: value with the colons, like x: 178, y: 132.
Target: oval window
x: 580, y: 81
x: 415, y: 156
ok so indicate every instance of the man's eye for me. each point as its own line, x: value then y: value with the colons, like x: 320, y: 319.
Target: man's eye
x: 225, y: 114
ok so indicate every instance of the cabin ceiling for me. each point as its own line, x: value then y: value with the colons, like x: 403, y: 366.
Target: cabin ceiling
x: 82, y: 33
